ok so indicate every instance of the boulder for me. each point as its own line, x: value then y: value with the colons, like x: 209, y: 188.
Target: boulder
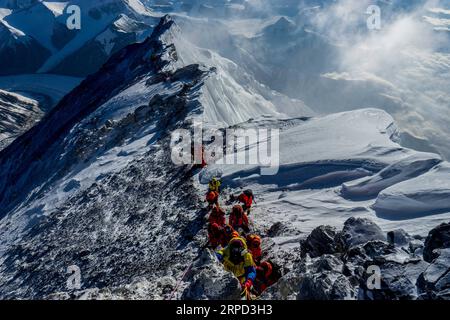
x: 358, y: 231
x: 434, y: 282
x: 324, y: 280
x: 398, y: 281
x: 316, y: 279
x: 322, y: 240
x: 399, y: 237
x: 210, y: 281
x: 286, y: 288
x: 380, y: 251
x: 357, y: 258
x: 347, y: 265
x: 416, y: 247
x: 394, y: 264
x: 277, y: 229
x: 438, y: 238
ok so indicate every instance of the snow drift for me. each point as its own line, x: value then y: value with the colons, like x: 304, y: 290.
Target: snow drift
x: 425, y: 195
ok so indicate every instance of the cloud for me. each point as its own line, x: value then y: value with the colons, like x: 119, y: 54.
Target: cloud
x: 406, y: 52
x: 403, y: 68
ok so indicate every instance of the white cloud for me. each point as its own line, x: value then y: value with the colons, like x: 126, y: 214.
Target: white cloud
x: 407, y: 52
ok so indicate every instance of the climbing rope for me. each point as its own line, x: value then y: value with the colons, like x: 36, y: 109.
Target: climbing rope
x: 175, y: 290
x: 180, y: 280
x: 246, y: 294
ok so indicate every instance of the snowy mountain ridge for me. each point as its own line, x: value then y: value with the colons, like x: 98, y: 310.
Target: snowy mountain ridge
x: 116, y: 120
x: 335, y: 64
x: 41, y: 28
x: 95, y: 186
x: 136, y: 140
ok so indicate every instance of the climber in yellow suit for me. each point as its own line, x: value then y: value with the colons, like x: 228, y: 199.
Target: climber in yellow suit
x: 214, y: 185
x: 238, y: 260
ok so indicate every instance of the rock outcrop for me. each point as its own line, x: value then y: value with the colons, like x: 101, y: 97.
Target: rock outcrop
x: 361, y: 262
x: 322, y: 240
x: 434, y: 282
x: 209, y: 281
x: 358, y: 231
x: 438, y: 238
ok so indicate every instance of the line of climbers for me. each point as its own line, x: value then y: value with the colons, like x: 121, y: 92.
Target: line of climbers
x: 236, y: 247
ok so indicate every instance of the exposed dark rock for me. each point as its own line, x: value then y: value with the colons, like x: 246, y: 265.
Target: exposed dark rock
x: 17, y: 114
x: 322, y: 240
x: 284, y: 260
x: 319, y: 279
x: 277, y: 229
x: 187, y: 72
x: 416, y: 246
x: 434, y: 282
x: 211, y: 282
x: 359, y: 231
x: 438, y: 238
x: 397, y: 281
x: 399, y: 237
x: 377, y: 249
x: 366, y: 267
x: 93, y: 229
x: 332, y: 286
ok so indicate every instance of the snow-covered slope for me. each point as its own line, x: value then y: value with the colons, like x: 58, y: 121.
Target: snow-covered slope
x: 336, y: 64
x: 93, y: 184
x: 426, y: 194
x: 338, y: 166
x: 17, y: 115
x: 107, y: 26
x: 78, y: 168
x: 405, y: 169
